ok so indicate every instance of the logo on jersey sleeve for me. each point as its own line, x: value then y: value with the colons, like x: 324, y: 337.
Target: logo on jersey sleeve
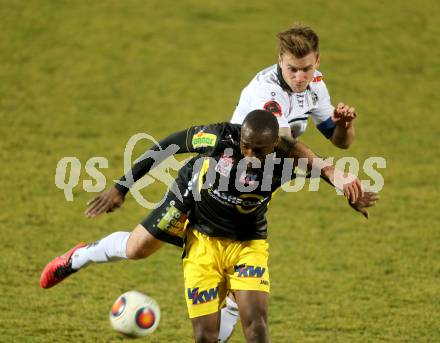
x: 203, y: 140
x: 172, y: 221
x: 314, y: 98
x: 273, y: 107
x: 317, y: 78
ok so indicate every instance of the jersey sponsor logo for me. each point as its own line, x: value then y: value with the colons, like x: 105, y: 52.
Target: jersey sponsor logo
x: 202, y: 297
x: 248, y: 203
x: 245, y: 203
x: 222, y: 198
x: 203, y: 140
x: 173, y: 221
x: 249, y: 271
x: 224, y: 165
x: 314, y: 98
x: 273, y: 107
x: 317, y: 78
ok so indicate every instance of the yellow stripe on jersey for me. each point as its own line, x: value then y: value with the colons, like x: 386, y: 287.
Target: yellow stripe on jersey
x: 203, y: 171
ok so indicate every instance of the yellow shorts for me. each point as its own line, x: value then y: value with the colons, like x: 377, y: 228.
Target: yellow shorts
x: 212, y: 266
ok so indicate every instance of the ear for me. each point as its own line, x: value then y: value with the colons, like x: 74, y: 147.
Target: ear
x: 280, y: 59
x: 318, y: 60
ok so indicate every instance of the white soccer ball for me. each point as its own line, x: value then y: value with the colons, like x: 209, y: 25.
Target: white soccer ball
x: 135, y: 314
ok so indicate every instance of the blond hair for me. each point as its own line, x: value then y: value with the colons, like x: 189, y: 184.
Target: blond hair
x: 300, y: 40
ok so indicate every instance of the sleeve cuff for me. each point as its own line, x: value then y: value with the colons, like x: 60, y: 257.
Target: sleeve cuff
x: 122, y: 189
x: 327, y: 127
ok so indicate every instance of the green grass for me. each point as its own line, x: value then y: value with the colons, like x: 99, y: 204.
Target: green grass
x: 79, y: 78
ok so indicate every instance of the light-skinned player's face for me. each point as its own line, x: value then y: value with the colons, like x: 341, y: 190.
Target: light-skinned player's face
x: 298, y: 72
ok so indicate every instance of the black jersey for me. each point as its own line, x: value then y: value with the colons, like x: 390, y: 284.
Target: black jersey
x: 230, y: 193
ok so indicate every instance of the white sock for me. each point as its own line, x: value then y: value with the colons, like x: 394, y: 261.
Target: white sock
x: 110, y: 248
x: 229, y: 317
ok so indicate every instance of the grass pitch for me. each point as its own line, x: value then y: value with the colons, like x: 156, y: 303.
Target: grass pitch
x: 80, y: 78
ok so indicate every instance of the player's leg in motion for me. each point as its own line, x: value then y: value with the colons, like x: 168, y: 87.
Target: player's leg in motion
x: 117, y: 246
x: 166, y: 223
x: 206, y: 328
x: 229, y: 318
x: 253, y: 307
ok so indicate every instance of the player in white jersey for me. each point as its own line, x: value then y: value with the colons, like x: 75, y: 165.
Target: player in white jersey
x: 293, y: 90
x: 269, y: 91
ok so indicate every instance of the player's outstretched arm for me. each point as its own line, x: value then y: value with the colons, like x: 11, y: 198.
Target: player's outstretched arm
x: 108, y: 201
x: 343, y: 117
x: 349, y: 184
x: 368, y: 199
x: 177, y: 143
x: 114, y: 197
x: 173, y: 144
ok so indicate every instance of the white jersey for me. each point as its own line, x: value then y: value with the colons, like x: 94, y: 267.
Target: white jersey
x: 269, y: 91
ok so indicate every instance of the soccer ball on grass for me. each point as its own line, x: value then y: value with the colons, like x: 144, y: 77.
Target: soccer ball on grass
x: 135, y: 314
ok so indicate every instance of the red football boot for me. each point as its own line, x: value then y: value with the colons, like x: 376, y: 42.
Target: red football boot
x: 59, y: 268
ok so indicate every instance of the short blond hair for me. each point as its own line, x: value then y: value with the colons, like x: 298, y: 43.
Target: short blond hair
x: 300, y: 40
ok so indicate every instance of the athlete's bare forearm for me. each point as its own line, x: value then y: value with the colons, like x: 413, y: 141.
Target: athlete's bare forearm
x: 300, y: 150
x: 343, y: 136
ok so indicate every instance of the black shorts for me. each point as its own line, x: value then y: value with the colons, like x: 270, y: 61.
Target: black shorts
x: 167, y: 222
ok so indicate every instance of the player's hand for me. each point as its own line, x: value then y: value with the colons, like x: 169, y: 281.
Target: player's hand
x: 343, y: 115
x: 351, y: 187
x: 108, y: 201
x: 367, y: 200
x: 348, y: 183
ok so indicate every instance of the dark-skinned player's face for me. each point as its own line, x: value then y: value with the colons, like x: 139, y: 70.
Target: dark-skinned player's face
x: 257, y: 145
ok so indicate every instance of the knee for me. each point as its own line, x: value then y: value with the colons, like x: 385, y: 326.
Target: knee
x: 206, y: 336
x: 256, y: 329
x: 134, y: 252
x: 141, y: 244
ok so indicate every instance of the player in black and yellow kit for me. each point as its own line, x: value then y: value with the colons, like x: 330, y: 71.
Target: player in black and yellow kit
x: 224, y: 194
